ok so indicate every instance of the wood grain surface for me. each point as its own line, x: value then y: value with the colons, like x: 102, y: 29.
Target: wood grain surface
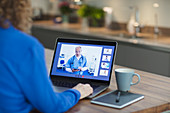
x: 155, y: 88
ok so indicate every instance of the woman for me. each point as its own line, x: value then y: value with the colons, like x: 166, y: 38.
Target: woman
x: 24, y: 83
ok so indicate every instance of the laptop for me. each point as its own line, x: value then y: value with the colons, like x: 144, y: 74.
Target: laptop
x: 82, y: 61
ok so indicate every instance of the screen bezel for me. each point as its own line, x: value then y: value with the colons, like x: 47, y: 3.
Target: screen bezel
x: 84, y: 41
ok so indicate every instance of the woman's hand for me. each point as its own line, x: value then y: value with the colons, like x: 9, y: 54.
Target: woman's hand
x: 84, y: 89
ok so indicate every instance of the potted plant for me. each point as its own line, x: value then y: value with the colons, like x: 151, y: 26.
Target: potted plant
x: 93, y: 14
x: 65, y: 10
x: 97, y: 17
x: 84, y: 13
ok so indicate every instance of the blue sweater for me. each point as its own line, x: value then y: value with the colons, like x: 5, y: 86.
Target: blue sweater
x: 24, y: 82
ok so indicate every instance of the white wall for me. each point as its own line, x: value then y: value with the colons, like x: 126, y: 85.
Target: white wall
x: 44, y: 4
x: 122, y: 12
x: 48, y: 6
x: 121, y: 9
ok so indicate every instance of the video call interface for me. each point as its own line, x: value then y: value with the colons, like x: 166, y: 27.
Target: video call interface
x: 83, y: 61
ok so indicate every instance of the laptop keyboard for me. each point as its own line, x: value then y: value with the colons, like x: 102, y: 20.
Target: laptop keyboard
x: 69, y: 84
x: 64, y: 84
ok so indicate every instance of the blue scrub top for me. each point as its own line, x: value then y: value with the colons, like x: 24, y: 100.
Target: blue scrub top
x: 74, y: 63
x: 24, y: 81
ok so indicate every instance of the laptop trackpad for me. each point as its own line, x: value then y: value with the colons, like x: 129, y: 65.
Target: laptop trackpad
x: 60, y: 89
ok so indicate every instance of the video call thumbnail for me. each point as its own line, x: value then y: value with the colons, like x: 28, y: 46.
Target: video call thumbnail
x: 105, y: 65
x: 107, y: 51
x: 106, y: 58
x: 104, y: 72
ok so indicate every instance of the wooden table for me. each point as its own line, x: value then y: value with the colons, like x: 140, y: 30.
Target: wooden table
x: 156, y: 89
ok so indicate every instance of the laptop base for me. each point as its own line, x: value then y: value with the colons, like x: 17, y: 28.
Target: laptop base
x: 95, y: 92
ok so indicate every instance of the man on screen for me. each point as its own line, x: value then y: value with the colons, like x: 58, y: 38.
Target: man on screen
x: 77, y: 63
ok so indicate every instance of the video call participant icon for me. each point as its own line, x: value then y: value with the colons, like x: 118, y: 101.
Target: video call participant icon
x: 104, y: 72
x: 77, y: 64
x: 106, y: 58
x: 105, y: 65
x: 107, y: 51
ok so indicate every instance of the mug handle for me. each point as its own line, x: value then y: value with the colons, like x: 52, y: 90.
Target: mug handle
x: 135, y: 74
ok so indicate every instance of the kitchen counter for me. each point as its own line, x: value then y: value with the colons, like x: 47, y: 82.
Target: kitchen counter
x: 148, y: 40
x: 147, y: 53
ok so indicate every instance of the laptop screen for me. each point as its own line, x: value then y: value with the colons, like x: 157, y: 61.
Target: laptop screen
x: 83, y: 60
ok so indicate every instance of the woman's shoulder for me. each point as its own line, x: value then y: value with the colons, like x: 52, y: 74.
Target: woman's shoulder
x: 27, y: 39
x: 17, y: 43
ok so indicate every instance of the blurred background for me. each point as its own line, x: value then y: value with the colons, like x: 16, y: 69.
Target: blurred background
x: 141, y: 27
x: 150, y: 12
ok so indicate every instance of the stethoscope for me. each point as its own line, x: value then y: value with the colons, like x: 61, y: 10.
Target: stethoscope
x: 80, y: 60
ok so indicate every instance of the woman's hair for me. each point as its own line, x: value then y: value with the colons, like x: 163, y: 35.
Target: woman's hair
x: 17, y: 12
